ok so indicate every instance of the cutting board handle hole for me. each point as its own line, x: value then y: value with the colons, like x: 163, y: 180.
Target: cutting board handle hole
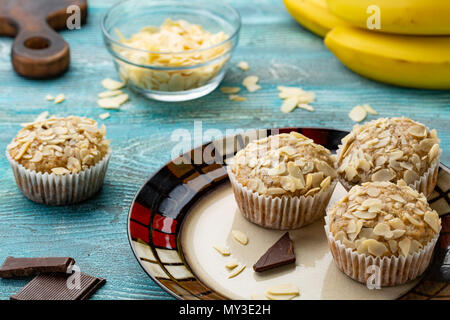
x: 37, y: 43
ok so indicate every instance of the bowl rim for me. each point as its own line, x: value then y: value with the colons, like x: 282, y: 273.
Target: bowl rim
x: 121, y: 2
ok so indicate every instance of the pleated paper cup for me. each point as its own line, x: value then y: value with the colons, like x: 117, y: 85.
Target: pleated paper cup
x: 388, y: 271
x: 52, y: 189
x: 425, y: 184
x: 280, y: 213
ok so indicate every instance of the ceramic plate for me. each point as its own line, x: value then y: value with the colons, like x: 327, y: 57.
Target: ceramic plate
x: 187, y: 206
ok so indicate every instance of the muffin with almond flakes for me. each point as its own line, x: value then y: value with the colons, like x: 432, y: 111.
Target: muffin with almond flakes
x: 384, y: 225
x: 283, y: 181
x: 390, y: 149
x: 59, y: 161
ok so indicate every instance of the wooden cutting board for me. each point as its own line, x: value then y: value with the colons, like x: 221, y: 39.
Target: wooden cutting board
x: 38, y: 51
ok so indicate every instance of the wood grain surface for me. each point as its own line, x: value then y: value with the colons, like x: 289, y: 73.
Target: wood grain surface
x: 278, y: 50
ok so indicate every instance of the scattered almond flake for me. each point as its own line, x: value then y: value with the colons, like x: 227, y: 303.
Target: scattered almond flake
x: 253, y: 87
x: 112, y: 85
x: 107, y: 94
x: 289, y: 104
x: 228, y: 90
x: 222, y: 250
x: 236, y: 97
x: 236, y: 271
x: 113, y: 102
x: 240, y: 237
x: 49, y: 97
x: 243, y: 65
x: 300, y: 96
x: 287, y: 92
x: 60, y: 98
x: 283, y: 289
x: 358, y: 113
x: 369, y: 109
x: 41, y: 116
x: 250, y: 80
x: 280, y: 296
x: 231, y: 264
x: 104, y: 116
x: 305, y: 106
x: 60, y: 170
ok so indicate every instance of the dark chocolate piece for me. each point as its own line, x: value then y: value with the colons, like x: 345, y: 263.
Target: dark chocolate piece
x: 26, y: 267
x: 58, y: 286
x: 280, y: 254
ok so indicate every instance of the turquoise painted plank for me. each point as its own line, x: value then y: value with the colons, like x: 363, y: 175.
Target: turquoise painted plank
x: 279, y: 51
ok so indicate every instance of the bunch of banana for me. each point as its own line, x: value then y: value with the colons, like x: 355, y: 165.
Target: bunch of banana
x: 314, y: 15
x: 409, y: 47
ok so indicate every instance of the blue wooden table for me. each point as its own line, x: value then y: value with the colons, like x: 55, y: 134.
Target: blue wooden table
x: 278, y: 50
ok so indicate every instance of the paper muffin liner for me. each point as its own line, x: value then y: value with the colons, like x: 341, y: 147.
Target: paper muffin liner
x: 392, y: 270
x: 52, y: 189
x: 280, y: 213
x: 425, y: 184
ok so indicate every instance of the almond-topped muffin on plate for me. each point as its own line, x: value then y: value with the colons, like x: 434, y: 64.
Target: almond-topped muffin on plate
x: 59, y: 160
x: 390, y: 149
x: 382, y: 224
x: 283, y: 181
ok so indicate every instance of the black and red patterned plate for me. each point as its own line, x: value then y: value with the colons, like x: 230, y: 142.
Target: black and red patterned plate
x: 165, y: 202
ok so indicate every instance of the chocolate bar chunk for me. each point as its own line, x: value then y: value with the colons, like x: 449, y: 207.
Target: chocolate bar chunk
x: 25, y: 267
x: 280, y: 254
x: 58, y: 286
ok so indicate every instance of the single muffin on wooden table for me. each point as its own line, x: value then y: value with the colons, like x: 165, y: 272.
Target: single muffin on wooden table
x: 59, y: 161
x: 283, y: 181
x: 390, y: 226
x: 389, y: 150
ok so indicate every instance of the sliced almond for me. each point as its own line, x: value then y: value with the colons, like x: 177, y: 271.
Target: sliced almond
x: 358, y: 114
x: 375, y: 247
x: 305, y: 107
x: 236, y: 271
x: 365, y: 215
x: 283, y: 289
x: 382, y: 175
x: 113, y: 102
x: 404, y: 246
x: 432, y: 219
x: 107, y: 94
x: 231, y: 264
x: 49, y: 97
x: 289, y: 104
x: 59, y: 98
x: 104, y: 116
x: 222, y: 250
x: 369, y: 109
x: 243, y: 65
x: 112, y: 85
x: 235, y: 97
x: 60, y: 170
x: 239, y: 236
x: 229, y: 90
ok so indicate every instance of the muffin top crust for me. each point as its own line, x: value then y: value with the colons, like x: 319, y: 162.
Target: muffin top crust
x: 383, y: 219
x: 387, y: 149
x: 284, y: 164
x: 59, y: 145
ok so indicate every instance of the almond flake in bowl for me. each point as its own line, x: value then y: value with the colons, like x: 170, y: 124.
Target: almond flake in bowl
x: 174, y: 59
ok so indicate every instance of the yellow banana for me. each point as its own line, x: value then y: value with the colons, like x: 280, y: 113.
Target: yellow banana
x: 313, y: 15
x: 418, y: 17
x: 410, y: 61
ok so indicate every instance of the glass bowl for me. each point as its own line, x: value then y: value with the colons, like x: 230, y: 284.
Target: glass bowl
x: 175, y: 77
